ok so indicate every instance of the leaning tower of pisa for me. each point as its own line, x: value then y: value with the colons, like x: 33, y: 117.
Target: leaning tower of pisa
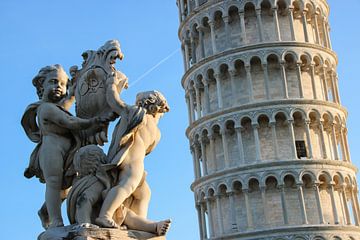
x: 267, y: 130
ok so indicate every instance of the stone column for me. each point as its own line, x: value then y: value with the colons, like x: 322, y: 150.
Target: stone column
x: 355, y: 205
x: 346, y: 207
x: 322, y: 139
x: 312, y: 70
x: 255, y: 127
x: 283, y: 73
x: 188, y: 107
x: 232, y: 211
x: 201, y: 42
x: 182, y: 9
x: 291, y: 19
x: 193, y: 48
x: 213, y: 40
x: 202, y: 221
x: 292, y: 137
x: 347, y: 144
x: 333, y: 135
x: 227, y: 33
x: 219, y: 215
x: 266, y: 80
x: 333, y: 87
x: 324, y: 31
x: 203, y: 156
x: 333, y: 203
x: 260, y: 25
x: 196, y: 3
x: 187, y: 54
x: 283, y: 204
x: 179, y: 11
x: 196, y: 161
x: 242, y: 24
x: 197, y: 158
x: 184, y: 57
x: 298, y: 72
x: 318, y: 202
x: 325, y: 85
x: 198, y: 101
x: 206, y: 97
x: 328, y: 35
x: 302, y: 203
x: 225, y: 147
x: 191, y: 96
x: 276, y: 23
x: 210, y: 217
x: 249, y: 220
x: 308, y: 138
x: 232, y: 73
x: 189, y: 7
x: 304, y: 20
x: 218, y: 90
x: 250, y: 84
x: 238, y: 129
x: 317, y: 35
x: 274, y: 139
x: 213, y: 150
x: 342, y: 145
x: 263, y: 199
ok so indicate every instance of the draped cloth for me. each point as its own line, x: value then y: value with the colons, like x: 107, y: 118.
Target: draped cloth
x: 32, y: 130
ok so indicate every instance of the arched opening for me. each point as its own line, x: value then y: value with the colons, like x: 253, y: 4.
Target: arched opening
x: 284, y: 23
x: 292, y: 200
x: 275, y: 79
x: 248, y: 140
x: 251, y: 26
x: 232, y: 143
x: 207, y: 37
x: 302, y: 149
x: 265, y: 136
x: 234, y: 27
x: 213, y: 99
x: 273, y: 202
x: 241, y: 83
x: 283, y: 136
x: 218, y: 148
x: 257, y: 79
x: 267, y: 21
x: 219, y: 31
x: 226, y: 91
x: 292, y: 79
x: 256, y: 204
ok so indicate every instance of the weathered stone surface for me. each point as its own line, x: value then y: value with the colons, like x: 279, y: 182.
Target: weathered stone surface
x: 92, y: 232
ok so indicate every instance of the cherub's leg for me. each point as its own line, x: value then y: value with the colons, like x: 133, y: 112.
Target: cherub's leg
x: 130, y: 178
x: 86, y: 201
x: 43, y: 212
x: 136, y: 222
x: 52, y: 170
x: 141, y: 200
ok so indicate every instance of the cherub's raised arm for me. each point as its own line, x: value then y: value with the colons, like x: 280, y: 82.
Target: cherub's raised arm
x: 114, y: 84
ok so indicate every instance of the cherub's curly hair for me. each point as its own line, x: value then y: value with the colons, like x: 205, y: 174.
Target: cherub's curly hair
x: 153, y: 101
x: 38, y: 80
x: 87, y: 159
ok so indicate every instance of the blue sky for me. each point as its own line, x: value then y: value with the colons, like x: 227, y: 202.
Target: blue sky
x: 39, y: 33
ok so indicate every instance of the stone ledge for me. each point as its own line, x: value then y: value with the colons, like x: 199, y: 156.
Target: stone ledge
x: 92, y: 232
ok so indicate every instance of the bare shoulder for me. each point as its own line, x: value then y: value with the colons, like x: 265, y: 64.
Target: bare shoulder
x: 47, y: 109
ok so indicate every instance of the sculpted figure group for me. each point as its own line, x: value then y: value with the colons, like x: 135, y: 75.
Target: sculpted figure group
x: 109, y: 190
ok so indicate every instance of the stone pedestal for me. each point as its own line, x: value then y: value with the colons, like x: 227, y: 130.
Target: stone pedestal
x: 92, y: 232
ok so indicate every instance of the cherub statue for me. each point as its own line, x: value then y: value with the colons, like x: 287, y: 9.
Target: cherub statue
x: 135, y: 136
x: 54, y: 129
x: 92, y: 182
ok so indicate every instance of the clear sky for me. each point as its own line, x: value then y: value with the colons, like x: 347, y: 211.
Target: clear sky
x: 38, y: 33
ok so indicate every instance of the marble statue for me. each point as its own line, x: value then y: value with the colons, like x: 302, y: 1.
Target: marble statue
x: 107, y: 190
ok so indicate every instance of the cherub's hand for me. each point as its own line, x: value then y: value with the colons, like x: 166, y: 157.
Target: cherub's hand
x: 102, y: 121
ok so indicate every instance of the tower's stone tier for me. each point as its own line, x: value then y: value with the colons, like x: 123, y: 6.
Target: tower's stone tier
x: 260, y: 74
x: 220, y: 25
x: 283, y: 195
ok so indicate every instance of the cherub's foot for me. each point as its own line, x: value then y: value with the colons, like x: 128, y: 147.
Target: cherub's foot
x: 44, y: 218
x: 162, y: 227
x: 55, y: 224
x: 105, y: 222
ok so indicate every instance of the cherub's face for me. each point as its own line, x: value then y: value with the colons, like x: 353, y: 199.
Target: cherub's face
x: 55, y: 86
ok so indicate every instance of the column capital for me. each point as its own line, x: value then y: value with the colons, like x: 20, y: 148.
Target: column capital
x: 226, y: 18
x: 238, y: 127
x: 258, y: 11
x: 255, y: 125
